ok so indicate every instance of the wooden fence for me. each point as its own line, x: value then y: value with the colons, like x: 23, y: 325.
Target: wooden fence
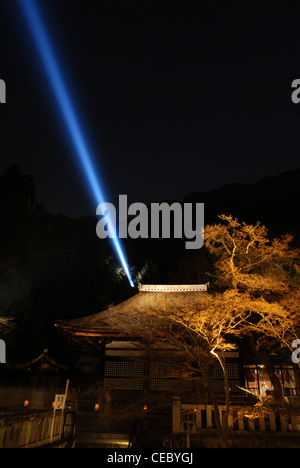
x: 30, y: 430
x: 193, y: 418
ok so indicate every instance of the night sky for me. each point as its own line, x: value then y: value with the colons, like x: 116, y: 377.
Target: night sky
x: 174, y: 99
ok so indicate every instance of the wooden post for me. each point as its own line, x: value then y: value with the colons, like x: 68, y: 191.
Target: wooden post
x: 262, y: 423
x: 209, y: 416
x: 283, y: 421
x: 63, y: 409
x: 230, y: 421
x: 241, y: 421
x: 294, y: 422
x: 67, y: 390
x: 272, y: 422
x: 251, y: 424
x: 176, y: 415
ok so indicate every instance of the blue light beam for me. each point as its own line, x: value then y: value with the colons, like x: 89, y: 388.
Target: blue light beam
x: 57, y: 84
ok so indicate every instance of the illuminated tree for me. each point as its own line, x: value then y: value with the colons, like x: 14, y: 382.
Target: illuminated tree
x: 197, y: 329
x: 215, y: 319
x: 262, y: 274
x: 256, y: 296
x: 253, y: 296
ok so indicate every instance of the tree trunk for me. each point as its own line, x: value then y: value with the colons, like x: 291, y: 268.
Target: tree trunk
x: 266, y: 361
x: 219, y: 423
x: 221, y: 359
x: 222, y: 433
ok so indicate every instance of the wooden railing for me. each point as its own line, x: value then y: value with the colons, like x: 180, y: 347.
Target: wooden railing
x: 195, y: 417
x: 30, y: 430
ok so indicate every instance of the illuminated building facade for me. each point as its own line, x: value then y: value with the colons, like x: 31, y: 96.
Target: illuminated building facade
x: 132, y: 363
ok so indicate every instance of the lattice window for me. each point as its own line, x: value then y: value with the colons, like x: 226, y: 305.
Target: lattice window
x: 218, y: 385
x: 233, y: 370
x: 170, y: 385
x: 163, y: 371
x: 125, y: 375
x: 217, y: 372
x: 124, y: 384
x: 123, y: 368
x: 218, y: 377
x: 167, y: 378
x: 234, y: 386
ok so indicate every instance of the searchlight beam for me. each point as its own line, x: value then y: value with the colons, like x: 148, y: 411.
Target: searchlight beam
x: 53, y: 71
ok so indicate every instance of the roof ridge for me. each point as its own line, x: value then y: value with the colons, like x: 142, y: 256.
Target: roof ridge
x: 172, y: 287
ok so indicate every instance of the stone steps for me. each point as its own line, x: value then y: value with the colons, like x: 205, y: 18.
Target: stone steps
x: 87, y: 439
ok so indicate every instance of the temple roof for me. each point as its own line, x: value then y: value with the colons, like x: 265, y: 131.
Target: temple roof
x: 126, y: 318
x: 43, y: 361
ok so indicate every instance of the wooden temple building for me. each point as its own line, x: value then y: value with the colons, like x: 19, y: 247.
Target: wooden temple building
x: 33, y: 383
x: 135, y: 360
x: 133, y: 356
